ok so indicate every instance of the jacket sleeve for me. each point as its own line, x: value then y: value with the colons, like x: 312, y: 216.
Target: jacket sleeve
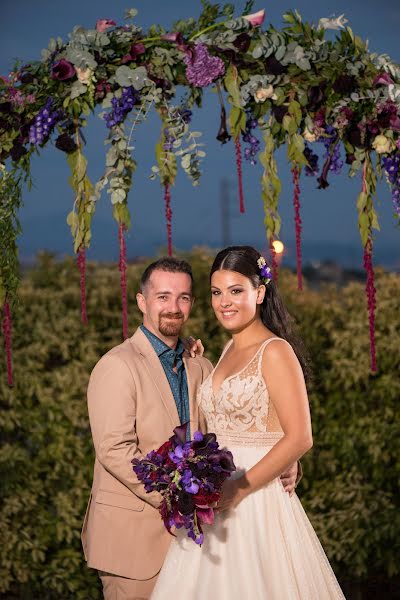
x: 112, y: 414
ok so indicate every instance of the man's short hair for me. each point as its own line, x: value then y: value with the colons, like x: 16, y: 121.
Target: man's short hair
x: 168, y: 264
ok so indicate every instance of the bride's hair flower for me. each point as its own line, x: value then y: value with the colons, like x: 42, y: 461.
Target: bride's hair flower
x: 265, y: 271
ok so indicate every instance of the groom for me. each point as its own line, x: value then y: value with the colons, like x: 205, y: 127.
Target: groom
x: 138, y: 393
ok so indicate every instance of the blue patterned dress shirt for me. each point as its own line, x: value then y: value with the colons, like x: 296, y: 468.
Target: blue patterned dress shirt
x: 170, y: 358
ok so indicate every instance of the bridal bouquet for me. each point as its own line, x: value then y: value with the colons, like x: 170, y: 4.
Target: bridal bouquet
x: 189, y: 475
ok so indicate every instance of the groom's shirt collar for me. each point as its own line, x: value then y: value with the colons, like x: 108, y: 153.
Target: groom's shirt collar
x: 174, y: 369
x: 161, y: 348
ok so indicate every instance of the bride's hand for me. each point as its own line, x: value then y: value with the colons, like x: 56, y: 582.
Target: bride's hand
x: 193, y: 347
x: 233, y: 492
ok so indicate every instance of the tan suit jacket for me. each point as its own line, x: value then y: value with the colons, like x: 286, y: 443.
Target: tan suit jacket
x: 131, y: 411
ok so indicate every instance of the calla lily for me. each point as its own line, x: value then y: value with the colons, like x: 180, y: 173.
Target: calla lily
x: 383, y: 79
x: 205, y: 515
x: 256, y: 19
x: 104, y: 24
x: 62, y: 70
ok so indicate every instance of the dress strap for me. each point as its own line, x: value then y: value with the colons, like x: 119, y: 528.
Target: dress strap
x: 265, y: 344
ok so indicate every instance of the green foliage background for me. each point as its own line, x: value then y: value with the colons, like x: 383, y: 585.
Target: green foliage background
x: 350, y: 485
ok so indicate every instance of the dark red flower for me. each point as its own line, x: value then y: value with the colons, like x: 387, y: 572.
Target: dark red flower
x: 17, y: 152
x: 102, y: 89
x: 135, y: 51
x: 279, y: 112
x: 164, y: 449
x: 66, y: 143
x: 344, y: 84
x: 62, y: 70
x: 26, y: 77
x: 223, y: 134
x: 242, y: 42
x: 203, y: 498
x: 273, y: 66
x: 316, y: 96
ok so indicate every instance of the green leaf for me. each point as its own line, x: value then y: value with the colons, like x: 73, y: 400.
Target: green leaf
x: 237, y: 121
x: 126, y: 77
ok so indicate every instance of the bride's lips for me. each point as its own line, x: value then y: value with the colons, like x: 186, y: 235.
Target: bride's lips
x: 228, y: 314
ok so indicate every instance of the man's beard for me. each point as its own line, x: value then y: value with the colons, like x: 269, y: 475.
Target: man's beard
x: 171, y: 327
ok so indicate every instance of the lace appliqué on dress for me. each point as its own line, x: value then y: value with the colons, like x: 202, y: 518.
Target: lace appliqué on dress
x: 241, y: 412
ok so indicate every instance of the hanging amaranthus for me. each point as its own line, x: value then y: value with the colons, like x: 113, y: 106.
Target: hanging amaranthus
x: 168, y: 216
x: 238, y: 151
x: 368, y: 220
x: 80, y: 218
x: 371, y: 300
x: 123, y: 281
x: 297, y: 222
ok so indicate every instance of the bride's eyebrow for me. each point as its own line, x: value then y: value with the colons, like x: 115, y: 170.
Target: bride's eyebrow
x: 235, y: 285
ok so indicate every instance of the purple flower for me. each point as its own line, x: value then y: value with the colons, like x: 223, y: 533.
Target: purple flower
x: 202, y: 68
x: 62, y: 70
x: 44, y: 123
x: 253, y: 148
x: 121, y: 106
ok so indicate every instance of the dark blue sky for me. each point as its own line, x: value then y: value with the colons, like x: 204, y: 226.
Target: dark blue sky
x: 329, y: 216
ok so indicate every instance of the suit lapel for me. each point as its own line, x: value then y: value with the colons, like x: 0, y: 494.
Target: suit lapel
x: 194, y: 378
x: 156, y: 374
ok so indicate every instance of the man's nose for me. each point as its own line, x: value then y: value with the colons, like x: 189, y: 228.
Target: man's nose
x: 174, y: 305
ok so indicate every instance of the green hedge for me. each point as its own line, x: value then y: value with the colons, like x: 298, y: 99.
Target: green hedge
x: 350, y: 486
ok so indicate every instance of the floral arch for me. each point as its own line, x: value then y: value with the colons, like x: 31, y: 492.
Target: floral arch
x: 299, y: 87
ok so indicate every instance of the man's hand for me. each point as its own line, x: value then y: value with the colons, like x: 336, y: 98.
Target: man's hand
x: 289, y: 478
x: 193, y: 347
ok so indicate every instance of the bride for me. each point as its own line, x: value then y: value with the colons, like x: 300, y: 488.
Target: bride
x: 261, y: 545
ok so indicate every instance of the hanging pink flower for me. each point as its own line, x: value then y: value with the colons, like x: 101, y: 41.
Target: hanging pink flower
x: 202, y: 68
x: 383, y: 79
x: 297, y: 222
x: 256, y: 19
x: 168, y: 216
x: 103, y: 24
x: 62, y: 70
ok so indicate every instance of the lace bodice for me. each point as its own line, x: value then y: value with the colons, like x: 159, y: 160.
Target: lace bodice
x: 240, y: 412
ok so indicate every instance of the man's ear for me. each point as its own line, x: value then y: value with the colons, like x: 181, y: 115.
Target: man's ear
x: 141, y: 302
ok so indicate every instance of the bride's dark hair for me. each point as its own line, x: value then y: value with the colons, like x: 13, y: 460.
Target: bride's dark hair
x: 273, y: 312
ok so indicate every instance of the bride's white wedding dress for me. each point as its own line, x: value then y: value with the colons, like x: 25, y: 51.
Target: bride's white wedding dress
x: 266, y: 548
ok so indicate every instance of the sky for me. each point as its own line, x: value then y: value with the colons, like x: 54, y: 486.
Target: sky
x: 329, y: 216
